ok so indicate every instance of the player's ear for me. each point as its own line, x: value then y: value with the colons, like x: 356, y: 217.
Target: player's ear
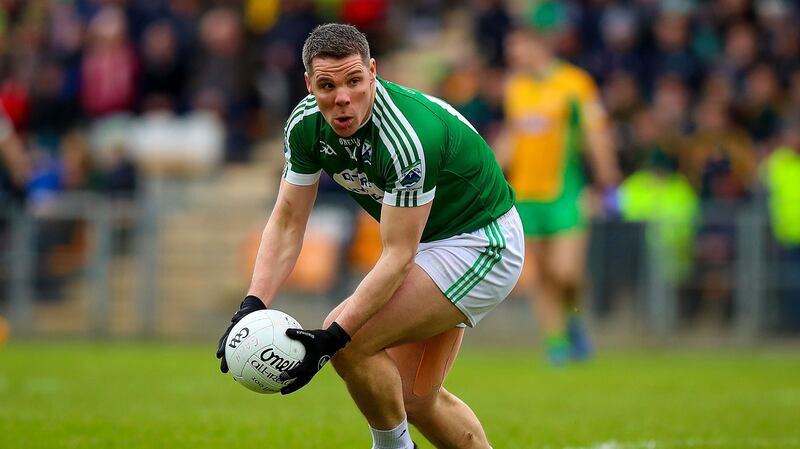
x: 373, y: 69
x: 308, y: 82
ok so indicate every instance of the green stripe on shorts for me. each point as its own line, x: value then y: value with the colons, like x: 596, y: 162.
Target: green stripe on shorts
x: 482, y: 266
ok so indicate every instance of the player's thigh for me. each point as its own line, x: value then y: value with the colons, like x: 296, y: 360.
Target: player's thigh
x: 536, y: 261
x: 424, y: 365
x: 334, y: 314
x: 417, y: 311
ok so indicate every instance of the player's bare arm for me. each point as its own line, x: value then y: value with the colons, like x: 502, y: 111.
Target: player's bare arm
x: 282, y: 239
x: 600, y: 148
x: 401, y: 229
x: 280, y: 246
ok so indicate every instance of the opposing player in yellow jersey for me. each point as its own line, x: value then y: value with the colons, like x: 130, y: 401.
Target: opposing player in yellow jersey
x: 552, y: 113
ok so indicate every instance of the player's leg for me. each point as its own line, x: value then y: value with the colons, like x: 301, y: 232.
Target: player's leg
x: 567, y: 267
x: 440, y: 416
x: 566, y: 264
x: 540, y: 288
x: 545, y: 297
x: 454, y: 281
x: 416, y: 312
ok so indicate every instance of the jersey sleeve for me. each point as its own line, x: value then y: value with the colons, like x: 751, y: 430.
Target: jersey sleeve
x: 410, y: 173
x: 301, y: 166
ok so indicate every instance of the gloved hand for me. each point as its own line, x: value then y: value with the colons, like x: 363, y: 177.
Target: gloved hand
x: 250, y: 304
x: 321, y: 345
x: 612, y: 202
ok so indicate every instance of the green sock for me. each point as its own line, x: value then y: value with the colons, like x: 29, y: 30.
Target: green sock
x: 556, y: 340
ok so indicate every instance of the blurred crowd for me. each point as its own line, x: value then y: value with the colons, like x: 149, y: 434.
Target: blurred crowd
x: 689, y: 78
x: 703, y: 97
x: 94, y: 91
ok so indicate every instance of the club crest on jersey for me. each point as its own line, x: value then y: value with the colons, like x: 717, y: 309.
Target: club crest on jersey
x: 411, y: 175
x: 326, y: 149
x: 366, y: 153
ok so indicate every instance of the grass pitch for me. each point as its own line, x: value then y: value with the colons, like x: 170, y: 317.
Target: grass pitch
x: 84, y: 395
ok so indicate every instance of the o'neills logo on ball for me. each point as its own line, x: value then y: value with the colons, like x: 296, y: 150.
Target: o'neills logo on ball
x: 241, y: 335
x: 269, y: 359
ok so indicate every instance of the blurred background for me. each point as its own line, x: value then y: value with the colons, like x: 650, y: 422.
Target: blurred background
x: 142, y: 147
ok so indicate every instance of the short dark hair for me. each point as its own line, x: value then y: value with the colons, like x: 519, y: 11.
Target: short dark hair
x: 334, y: 40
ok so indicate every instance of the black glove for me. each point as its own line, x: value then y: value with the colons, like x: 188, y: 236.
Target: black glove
x: 249, y: 305
x: 320, y: 345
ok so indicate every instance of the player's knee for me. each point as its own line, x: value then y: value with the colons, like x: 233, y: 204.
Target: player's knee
x: 331, y: 317
x: 545, y: 282
x: 350, y: 357
x: 568, y: 279
x: 344, y: 360
x: 328, y: 320
x: 419, y: 408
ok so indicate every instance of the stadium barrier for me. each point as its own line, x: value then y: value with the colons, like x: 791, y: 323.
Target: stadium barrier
x: 173, y: 262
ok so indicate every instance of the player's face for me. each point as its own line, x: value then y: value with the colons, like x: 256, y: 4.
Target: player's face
x: 523, y: 50
x: 344, y: 89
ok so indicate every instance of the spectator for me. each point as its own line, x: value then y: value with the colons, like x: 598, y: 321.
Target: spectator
x: 54, y: 111
x: 280, y: 81
x: 492, y: 24
x: 759, y: 107
x: 671, y: 100
x: 729, y: 12
x: 624, y: 101
x: 164, y: 72
x: 109, y: 70
x: 673, y: 55
x: 741, y: 52
x: 285, y: 40
x: 782, y: 35
x: 222, y: 76
x: 620, y: 32
x: 718, y: 158
x: 371, y: 17
x: 462, y: 89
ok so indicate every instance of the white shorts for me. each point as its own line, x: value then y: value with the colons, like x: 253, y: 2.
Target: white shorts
x: 477, y: 270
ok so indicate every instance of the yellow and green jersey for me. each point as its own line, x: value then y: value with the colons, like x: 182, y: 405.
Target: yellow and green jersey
x: 546, y: 118
x: 413, y: 149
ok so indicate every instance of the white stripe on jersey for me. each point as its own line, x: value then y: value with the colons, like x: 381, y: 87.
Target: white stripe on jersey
x: 392, y: 131
x: 308, y: 101
x: 386, y: 141
x: 417, y: 145
x: 451, y: 110
x: 397, y: 135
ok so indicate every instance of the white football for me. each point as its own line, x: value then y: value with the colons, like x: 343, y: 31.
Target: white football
x: 258, y: 350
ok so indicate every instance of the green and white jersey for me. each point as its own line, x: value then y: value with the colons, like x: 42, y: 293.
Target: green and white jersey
x: 413, y: 149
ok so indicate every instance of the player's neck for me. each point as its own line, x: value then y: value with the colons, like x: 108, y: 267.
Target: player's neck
x: 543, y: 67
